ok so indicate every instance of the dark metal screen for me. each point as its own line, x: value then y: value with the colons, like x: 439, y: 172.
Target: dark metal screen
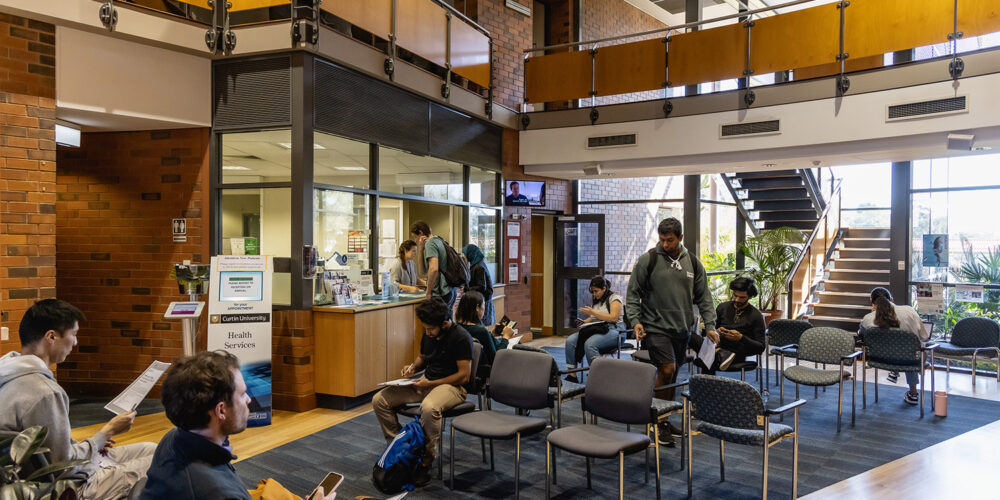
x: 249, y: 93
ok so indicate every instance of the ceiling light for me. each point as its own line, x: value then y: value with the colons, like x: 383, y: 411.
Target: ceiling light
x: 288, y: 145
x: 234, y: 167
x: 350, y: 168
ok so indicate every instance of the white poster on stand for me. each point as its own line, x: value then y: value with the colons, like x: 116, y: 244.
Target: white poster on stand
x: 239, y: 322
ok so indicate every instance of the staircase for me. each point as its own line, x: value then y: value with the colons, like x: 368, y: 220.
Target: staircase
x: 860, y: 264
x: 778, y: 198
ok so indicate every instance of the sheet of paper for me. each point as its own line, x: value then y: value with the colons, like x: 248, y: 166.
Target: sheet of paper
x: 707, y: 352
x: 389, y: 228
x: 513, y: 341
x: 513, y: 229
x: 130, y: 398
x: 397, y: 497
x: 512, y: 273
x: 512, y: 248
x: 969, y: 293
x: 400, y: 382
x: 387, y: 248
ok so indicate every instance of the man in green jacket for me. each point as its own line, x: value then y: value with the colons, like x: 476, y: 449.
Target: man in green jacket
x: 659, y: 305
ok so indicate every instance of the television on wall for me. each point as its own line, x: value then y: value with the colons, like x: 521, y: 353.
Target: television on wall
x: 524, y: 194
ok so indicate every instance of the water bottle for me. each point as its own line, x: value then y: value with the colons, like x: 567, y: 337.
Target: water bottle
x: 386, y: 286
x: 764, y: 396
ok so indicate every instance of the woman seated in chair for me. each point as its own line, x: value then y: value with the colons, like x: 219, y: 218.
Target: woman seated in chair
x: 470, y: 316
x: 887, y: 315
x: 599, y: 330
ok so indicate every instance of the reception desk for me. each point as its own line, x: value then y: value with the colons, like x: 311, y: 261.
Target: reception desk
x: 358, y: 347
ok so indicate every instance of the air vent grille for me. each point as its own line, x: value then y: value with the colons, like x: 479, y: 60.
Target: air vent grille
x: 611, y: 141
x: 255, y: 92
x: 750, y: 128
x: 922, y: 109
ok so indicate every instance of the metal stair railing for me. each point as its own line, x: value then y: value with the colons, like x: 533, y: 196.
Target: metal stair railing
x: 815, y: 255
x: 727, y: 181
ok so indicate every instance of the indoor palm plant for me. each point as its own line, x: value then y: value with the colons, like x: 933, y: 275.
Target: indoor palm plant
x: 19, y: 480
x: 772, y: 254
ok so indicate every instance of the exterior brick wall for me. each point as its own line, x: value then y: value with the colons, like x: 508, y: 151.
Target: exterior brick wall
x: 27, y: 168
x: 117, y: 195
x: 511, y: 32
x: 558, y: 196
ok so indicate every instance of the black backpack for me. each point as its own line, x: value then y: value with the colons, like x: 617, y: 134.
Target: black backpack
x: 455, y: 269
x: 649, y: 274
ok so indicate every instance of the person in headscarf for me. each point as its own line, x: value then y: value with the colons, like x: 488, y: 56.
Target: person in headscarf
x: 480, y: 280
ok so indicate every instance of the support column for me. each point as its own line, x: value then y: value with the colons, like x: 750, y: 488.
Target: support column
x: 692, y: 213
x: 692, y: 13
x: 302, y: 175
x: 899, y: 231
x: 741, y: 236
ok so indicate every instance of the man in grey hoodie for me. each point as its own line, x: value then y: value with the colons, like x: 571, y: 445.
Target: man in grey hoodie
x: 659, y: 306
x: 31, y: 396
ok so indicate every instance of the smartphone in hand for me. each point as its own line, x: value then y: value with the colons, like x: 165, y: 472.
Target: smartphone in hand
x: 329, y: 485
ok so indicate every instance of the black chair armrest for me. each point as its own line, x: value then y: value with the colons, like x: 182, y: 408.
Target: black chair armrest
x: 575, y: 370
x: 671, y: 386
x: 852, y: 355
x: 783, y: 409
x: 786, y: 348
x: 686, y: 394
x: 930, y: 346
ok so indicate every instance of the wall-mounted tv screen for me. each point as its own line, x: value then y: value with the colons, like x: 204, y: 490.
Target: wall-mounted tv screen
x: 525, y: 194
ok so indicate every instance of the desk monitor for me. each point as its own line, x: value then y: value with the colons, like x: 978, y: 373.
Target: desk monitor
x: 241, y: 286
x: 181, y: 310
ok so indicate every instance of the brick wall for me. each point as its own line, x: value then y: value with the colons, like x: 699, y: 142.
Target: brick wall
x: 558, y: 196
x: 292, y: 345
x: 117, y: 195
x: 511, y: 32
x: 27, y: 168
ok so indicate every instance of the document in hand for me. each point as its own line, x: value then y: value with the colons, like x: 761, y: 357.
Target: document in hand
x: 707, y: 352
x: 130, y: 398
x: 513, y: 341
x: 400, y: 382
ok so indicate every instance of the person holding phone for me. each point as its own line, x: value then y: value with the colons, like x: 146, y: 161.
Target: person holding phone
x: 740, y: 326
x: 471, y: 309
x: 599, y: 330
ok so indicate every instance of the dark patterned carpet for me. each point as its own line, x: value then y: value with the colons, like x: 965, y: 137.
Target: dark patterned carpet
x: 884, y: 432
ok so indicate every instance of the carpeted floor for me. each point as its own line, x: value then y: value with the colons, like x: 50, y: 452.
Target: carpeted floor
x: 83, y: 412
x: 884, y: 432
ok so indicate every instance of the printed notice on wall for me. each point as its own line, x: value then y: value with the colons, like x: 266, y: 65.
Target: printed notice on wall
x: 969, y: 293
x: 930, y: 299
x: 512, y: 273
x: 239, y: 322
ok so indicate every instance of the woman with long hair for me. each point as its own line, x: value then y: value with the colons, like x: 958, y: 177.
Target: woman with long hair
x: 599, y: 330
x: 480, y: 279
x: 886, y: 314
x: 470, y: 316
x: 403, y: 271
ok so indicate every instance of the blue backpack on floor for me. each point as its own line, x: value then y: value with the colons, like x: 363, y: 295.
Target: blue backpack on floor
x: 397, y: 466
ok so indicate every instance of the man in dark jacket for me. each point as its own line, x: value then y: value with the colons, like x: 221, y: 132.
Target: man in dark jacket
x: 206, y: 398
x: 739, y: 324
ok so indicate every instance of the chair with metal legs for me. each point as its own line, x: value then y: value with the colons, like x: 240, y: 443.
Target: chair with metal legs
x: 825, y: 345
x: 969, y: 338
x: 605, y: 398
x: 781, y: 332
x: 896, y: 350
x: 523, y: 385
x: 729, y: 411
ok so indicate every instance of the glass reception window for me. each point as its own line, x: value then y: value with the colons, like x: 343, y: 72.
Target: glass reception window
x: 340, y: 227
x: 256, y: 222
x: 253, y: 157
x: 482, y: 186
x: 483, y: 233
x: 340, y: 162
x: 406, y: 173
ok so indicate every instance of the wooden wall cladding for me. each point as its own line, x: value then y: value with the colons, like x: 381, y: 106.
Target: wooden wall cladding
x: 374, y: 16
x: 834, y: 67
x: 421, y: 28
x: 777, y: 42
x: 978, y: 17
x: 630, y: 67
x: 707, y: 56
x: 875, y: 27
x: 470, y: 52
x: 558, y: 77
x: 239, y: 5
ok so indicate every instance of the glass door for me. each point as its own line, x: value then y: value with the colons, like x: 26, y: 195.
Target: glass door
x: 579, y: 257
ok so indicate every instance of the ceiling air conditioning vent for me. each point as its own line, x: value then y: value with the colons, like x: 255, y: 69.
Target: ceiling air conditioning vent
x: 750, y: 128
x: 924, y: 109
x: 612, y: 141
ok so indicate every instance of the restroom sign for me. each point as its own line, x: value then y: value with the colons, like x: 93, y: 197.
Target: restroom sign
x: 179, y: 228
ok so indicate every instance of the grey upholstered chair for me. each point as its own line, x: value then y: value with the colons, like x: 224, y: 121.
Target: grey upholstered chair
x: 412, y: 410
x: 828, y: 346
x: 896, y: 350
x: 605, y: 398
x: 780, y: 333
x: 560, y: 391
x: 730, y: 410
x: 970, y: 337
x: 523, y: 384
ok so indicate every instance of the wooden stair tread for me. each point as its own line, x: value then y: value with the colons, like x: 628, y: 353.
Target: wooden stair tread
x: 844, y: 294
x: 849, y: 282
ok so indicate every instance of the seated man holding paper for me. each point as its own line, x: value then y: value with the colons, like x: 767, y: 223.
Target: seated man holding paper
x: 31, y: 396
x: 446, y: 359
x: 739, y: 324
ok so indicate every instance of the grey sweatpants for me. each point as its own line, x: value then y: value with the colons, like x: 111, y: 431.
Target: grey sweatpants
x: 119, y: 471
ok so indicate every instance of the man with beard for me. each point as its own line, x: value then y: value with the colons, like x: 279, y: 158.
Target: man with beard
x: 739, y: 324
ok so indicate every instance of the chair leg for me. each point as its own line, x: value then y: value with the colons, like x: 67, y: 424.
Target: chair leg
x: 974, y: 353
x: 854, y: 393
x: 517, y: 466
x: 722, y: 460
x: 781, y: 399
x: 816, y: 391
x: 763, y: 490
x: 876, y: 385
x: 621, y: 475
x: 687, y: 437
x: 840, y: 401
x: 795, y: 456
x: 587, y: 459
x: 492, y: 463
x: 646, y: 469
x: 482, y: 444
x: 451, y: 461
x: 656, y: 447
x: 864, y: 381
x: 932, y: 375
x: 922, y: 383
x: 548, y: 462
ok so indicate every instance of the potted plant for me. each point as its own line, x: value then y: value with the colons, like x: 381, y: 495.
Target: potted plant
x: 25, y: 476
x: 772, y: 255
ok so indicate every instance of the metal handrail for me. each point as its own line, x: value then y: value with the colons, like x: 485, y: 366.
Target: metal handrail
x: 812, y: 189
x: 739, y: 206
x: 789, y: 280
x: 671, y: 28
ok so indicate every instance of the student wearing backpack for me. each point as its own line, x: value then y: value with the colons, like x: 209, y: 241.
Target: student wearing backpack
x: 436, y: 253
x: 446, y: 360
x: 664, y: 284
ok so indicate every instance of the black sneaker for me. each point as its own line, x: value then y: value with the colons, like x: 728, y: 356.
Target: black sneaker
x: 423, y: 476
x: 726, y: 358
x: 892, y: 377
x: 572, y: 378
x: 665, y: 439
x: 911, y: 399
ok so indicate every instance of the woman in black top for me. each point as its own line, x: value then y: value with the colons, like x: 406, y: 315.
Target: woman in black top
x: 480, y: 280
x: 469, y: 315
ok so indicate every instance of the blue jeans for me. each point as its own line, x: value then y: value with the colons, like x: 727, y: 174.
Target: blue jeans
x: 912, y: 378
x: 593, y: 347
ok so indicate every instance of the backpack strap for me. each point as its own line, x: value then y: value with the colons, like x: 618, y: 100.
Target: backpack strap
x: 649, y: 268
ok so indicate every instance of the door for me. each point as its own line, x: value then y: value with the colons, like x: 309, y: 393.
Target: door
x: 579, y: 257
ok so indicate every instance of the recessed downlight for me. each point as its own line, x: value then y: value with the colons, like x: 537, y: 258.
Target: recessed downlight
x: 234, y: 167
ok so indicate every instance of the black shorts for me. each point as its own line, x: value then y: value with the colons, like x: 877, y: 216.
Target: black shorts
x: 666, y: 349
